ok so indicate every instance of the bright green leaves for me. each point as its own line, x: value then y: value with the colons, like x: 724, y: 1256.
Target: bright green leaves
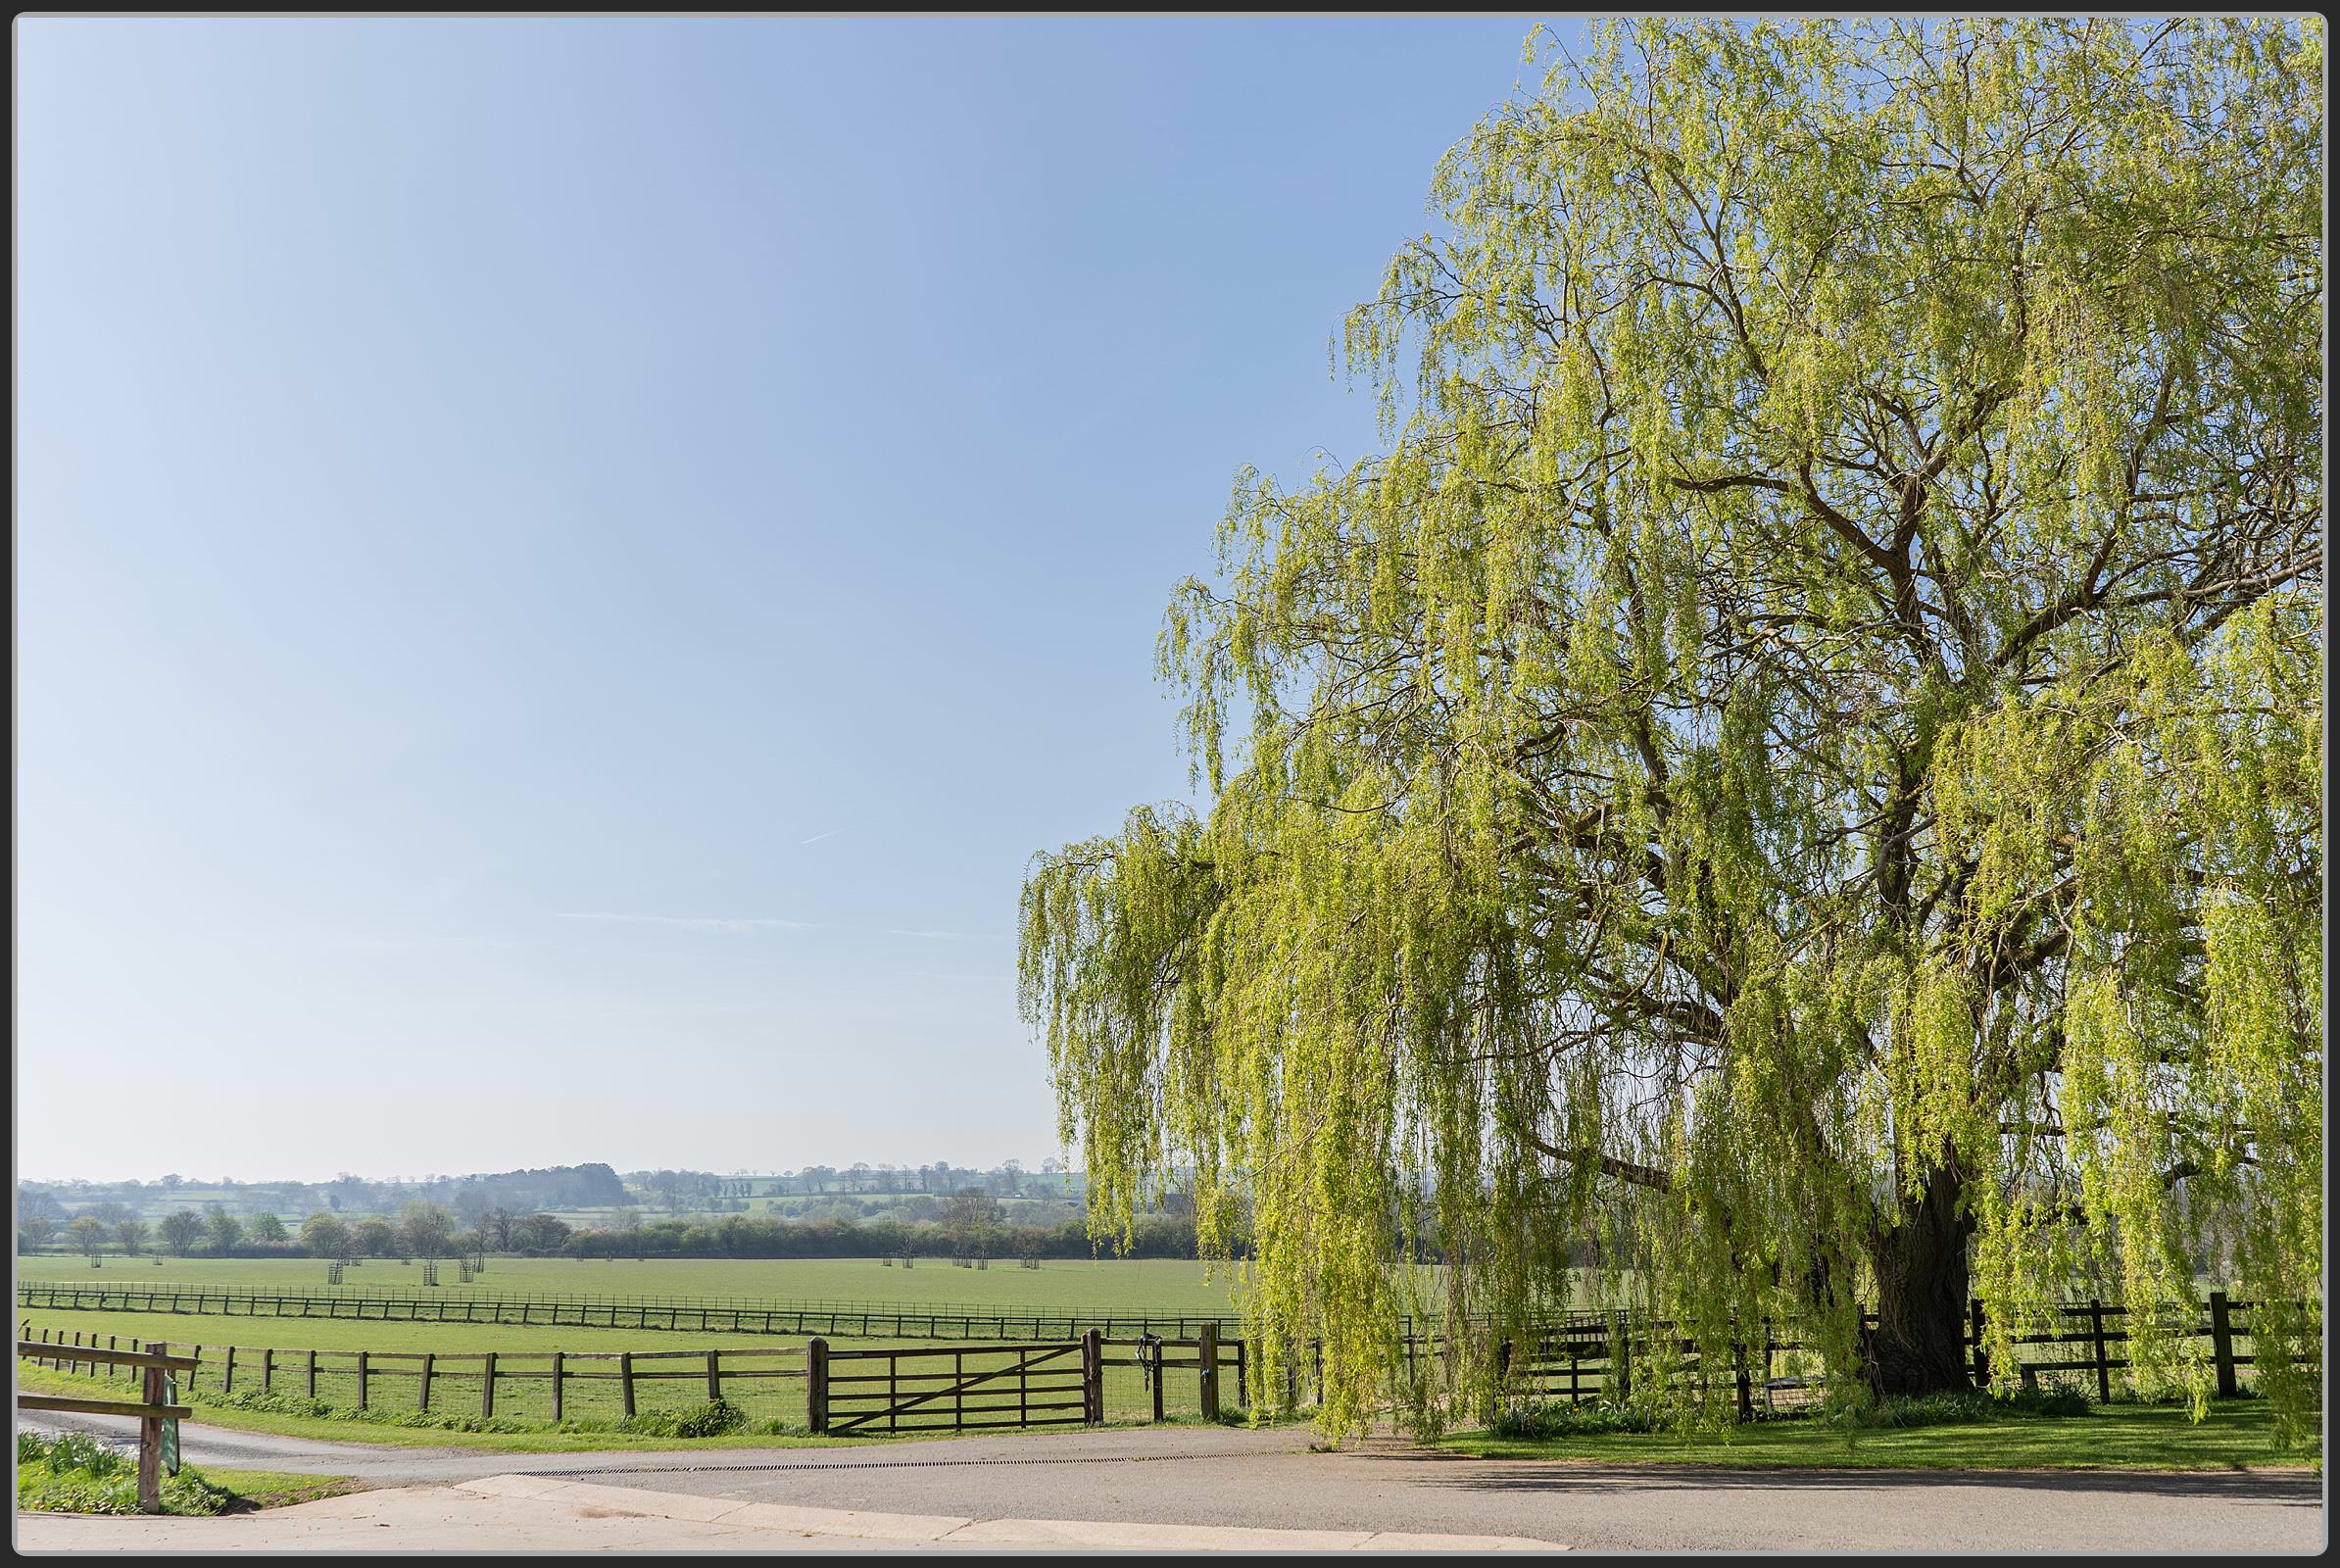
x: 1816, y: 705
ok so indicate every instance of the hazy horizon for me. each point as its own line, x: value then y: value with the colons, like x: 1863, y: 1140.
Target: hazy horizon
x: 196, y: 1177
x: 566, y: 566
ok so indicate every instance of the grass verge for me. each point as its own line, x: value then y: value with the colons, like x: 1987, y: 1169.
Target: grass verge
x: 75, y: 1474
x: 275, y: 1488
x: 286, y: 1417
x: 2236, y: 1435
x: 344, y: 1426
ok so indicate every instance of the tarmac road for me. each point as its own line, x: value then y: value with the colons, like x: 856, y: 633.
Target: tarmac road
x: 1227, y: 1475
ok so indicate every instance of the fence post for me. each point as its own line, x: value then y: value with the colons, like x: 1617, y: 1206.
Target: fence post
x: 556, y: 1376
x: 1152, y: 1350
x: 2104, y: 1367
x: 487, y: 1384
x: 424, y: 1403
x: 1981, y: 1358
x: 312, y: 1374
x: 714, y: 1375
x: 816, y: 1385
x: 625, y: 1379
x: 227, y: 1383
x: 1243, y: 1374
x: 1494, y: 1397
x: 1206, y: 1343
x: 268, y: 1370
x: 197, y: 1353
x: 150, y: 1441
x: 1092, y: 1378
x: 362, y: 1380
x: 2221, y: 1342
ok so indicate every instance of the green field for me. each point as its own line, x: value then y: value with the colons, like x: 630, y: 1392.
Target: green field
x: 592, y: 1393
x: 1120, y: 1286
x: 344, y: 1334
x: 37, y: 1379
x: 2235, y: 1435
x: 1074, y: 1288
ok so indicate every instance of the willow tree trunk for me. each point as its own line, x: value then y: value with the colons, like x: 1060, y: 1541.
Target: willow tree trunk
x: 1920, y: 1263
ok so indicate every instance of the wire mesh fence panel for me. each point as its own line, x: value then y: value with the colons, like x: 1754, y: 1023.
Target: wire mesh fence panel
x: 1133, y: 1368
x: 1129, y: 1390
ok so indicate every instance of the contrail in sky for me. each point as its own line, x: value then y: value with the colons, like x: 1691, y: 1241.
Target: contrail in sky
x: 817, y: 837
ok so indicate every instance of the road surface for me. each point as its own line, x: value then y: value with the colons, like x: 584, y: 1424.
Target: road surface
x: 1270, y: 1480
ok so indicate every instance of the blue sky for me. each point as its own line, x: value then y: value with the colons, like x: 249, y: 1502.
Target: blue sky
x: 565, y: 567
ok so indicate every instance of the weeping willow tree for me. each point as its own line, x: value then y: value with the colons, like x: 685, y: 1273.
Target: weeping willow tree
x: 1798, y: 764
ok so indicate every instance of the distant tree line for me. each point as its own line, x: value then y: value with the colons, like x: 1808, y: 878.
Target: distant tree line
x: 746, y: 1235
x: 420, y: 1230
x: 972, y: 1223
x: 566, y: 1188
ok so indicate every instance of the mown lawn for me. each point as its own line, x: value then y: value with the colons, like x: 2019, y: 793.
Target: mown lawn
x: 1079, y: 1285
x: 41, y: 1380
x: 2236, y: 1435
x: 347, y: 1334
x: 454, y: 1381
x: 591, y: 1392
x: 1121, y: 1411
x: 1122, y: 1286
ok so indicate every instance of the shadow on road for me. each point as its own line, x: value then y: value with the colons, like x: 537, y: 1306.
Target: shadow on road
x: 1561, y: 1475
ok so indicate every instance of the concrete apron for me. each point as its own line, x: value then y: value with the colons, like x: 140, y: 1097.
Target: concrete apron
x: 544, y: 1513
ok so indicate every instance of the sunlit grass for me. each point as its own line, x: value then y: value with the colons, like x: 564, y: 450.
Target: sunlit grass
x: 2236, y: 1435
x: 1162, y: 1285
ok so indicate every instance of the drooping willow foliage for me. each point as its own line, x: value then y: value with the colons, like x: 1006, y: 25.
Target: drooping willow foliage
x: 1797, y: 769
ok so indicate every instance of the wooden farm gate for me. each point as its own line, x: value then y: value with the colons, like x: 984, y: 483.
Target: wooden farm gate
x: 936, y: 1389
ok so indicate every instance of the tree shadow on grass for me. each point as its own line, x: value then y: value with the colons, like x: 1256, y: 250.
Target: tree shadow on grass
x: 1594, y: 1475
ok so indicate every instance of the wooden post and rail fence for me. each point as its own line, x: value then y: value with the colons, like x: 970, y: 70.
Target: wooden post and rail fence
x: 857, y: 1320
x: 1580, y: 1360
x: 844, y: 1390
x: 150, y: 1409
x: 854, y: 1390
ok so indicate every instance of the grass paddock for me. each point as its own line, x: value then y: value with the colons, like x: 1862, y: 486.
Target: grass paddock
x: 2235, y: 1435
x: 591, y: 1391
x: 1121, y: 1286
